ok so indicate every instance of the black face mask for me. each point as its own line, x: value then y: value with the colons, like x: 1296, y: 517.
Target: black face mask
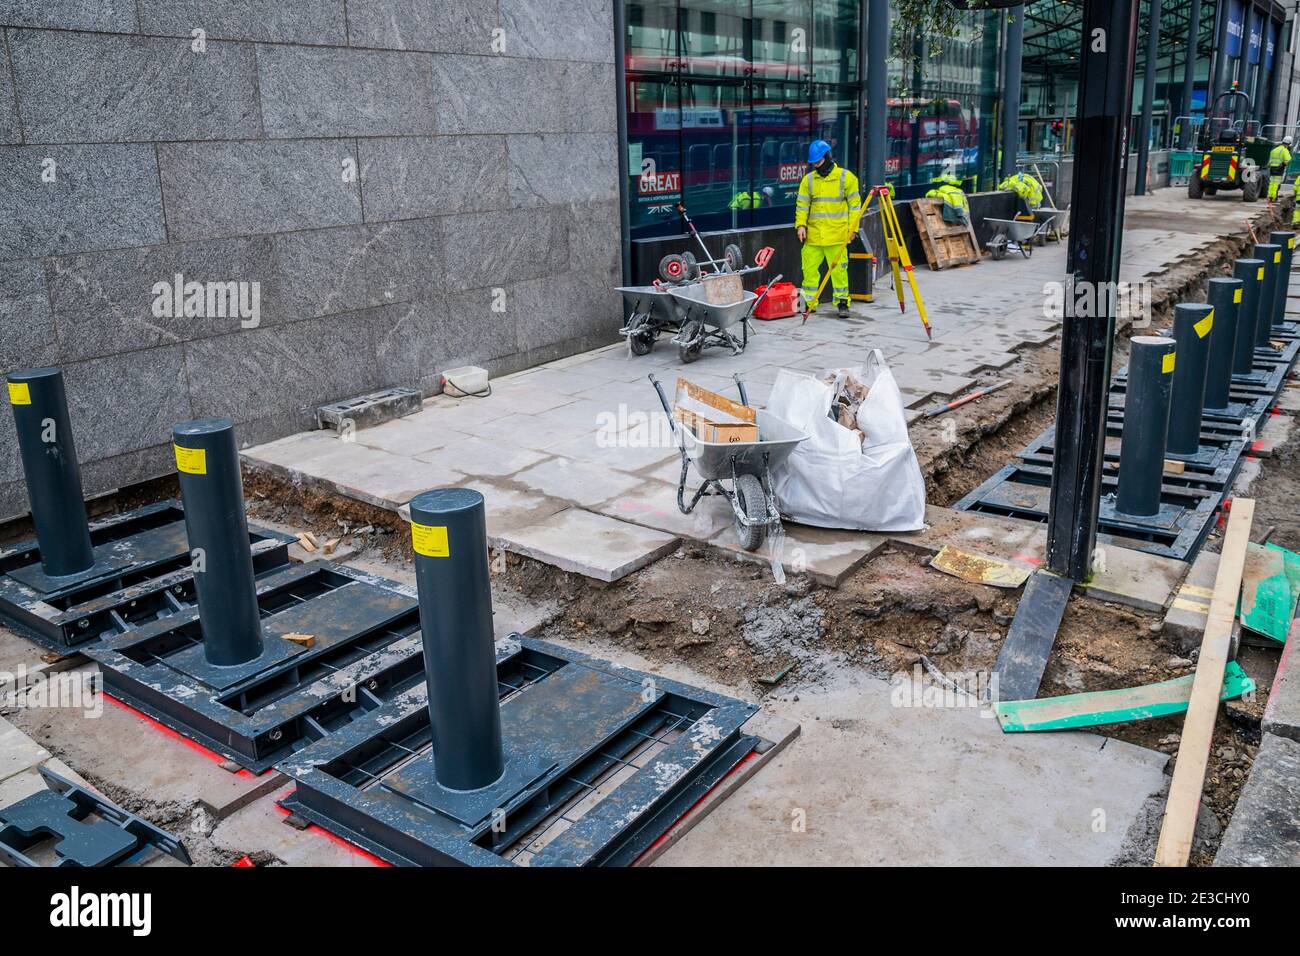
x: 825, y: 165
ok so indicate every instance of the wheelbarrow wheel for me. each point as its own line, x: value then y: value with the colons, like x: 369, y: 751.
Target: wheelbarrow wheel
x: 753, y: 503
x: 672, y: 268
x: 642, y: 339
x: 734, y: 257
x: 691, y: 331
x: 1027, y: 248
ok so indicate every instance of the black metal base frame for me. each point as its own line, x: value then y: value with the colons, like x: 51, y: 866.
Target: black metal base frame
x: 1186, y: 513
x: 87, y: 829
x: 601, y: 761
x: 1213, y: 469
x: 141, y: 572
x: 357, y: 644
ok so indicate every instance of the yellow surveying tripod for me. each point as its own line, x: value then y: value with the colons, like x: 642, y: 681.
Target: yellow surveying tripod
x: 896, y: 250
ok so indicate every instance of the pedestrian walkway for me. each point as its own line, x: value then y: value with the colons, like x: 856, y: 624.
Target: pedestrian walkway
x: 574, y: 458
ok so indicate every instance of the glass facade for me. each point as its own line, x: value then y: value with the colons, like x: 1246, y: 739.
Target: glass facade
x: 725, y: 95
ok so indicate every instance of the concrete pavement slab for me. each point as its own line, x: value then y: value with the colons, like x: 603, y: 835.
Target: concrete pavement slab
x: 590, y: 544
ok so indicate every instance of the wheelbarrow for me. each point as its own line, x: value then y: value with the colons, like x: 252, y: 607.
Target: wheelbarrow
x: 651, y: 311
x: 705, y: 323
x: 1023, y: 232
x: 746, y: 465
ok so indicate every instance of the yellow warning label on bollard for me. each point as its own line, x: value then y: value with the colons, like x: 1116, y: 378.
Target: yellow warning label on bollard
x: 1236, y: 295
x: 1259, y: 276
x: 19, y: 394
x: 1277, y: 257
x: 1203, y: 327
x: 1167, y: 364
x: 430, y: 540
x: 192, y: 461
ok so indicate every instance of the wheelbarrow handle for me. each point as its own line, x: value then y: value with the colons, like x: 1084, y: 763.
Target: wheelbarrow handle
x: 663, y: 399
x: 767, y: 287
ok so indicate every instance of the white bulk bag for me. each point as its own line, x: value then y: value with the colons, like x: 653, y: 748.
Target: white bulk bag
x: 834, y: 481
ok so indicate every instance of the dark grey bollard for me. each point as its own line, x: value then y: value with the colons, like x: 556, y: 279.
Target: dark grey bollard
x: 449, y: 536
x: 1272, y: 256
x: 1151, y: 371
x: 51, y: 470
x: 1286, y: 242
x: 207, y: 465
x: 1251, y: 274
x: 1193, y: 323
x: 1225, y: 297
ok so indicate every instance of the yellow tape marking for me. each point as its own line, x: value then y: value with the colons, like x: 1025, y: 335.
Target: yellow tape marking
x: 19, y: 394
x: 1203, y: 327
x: 430, y: 540
x: 1195, y: 590
x: 1195, y: 606
x: 1167, y: 364
x: 1259, y: 276
x: 1236, y: 296
x: 192, y: 461
x: 1277, y: 257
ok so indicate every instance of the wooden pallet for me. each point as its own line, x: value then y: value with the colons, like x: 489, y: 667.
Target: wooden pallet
x: 945, y: 243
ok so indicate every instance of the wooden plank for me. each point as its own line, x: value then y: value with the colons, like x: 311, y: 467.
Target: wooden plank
x: 1179, y: 827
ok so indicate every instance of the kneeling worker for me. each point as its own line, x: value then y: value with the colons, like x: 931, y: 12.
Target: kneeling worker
x: 826, y: 218
x: 956, y: 209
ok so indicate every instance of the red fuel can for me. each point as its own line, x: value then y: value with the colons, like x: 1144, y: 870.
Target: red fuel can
x: 782, y: 302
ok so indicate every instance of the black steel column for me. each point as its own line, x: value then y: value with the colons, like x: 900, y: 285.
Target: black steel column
x: 1225, y: 296
x: 449, y: 536
x: 1285, y: 241
x: 1011, y: 89
x: 1193, y: 323
x: 620, y: 109
x: 207, y: 466
x: 1189, y: 74
x: 1251, y: 274
x: 1146, y: 420
x: 1107, y: 53
x: 1218, y: 76
x: 877, y: 85
x: 1272, y: 257
x: 1148, y: 97
x: 51, y: 470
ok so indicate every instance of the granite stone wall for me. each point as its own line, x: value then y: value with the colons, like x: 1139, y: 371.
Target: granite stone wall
x: 399, y: 186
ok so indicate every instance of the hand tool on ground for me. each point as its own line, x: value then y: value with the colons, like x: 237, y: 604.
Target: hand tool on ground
x: 958, y: 402
x: 896, y: 250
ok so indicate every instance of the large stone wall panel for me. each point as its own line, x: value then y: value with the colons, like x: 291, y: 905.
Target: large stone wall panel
x: 564, y: 307
x: 27, y: 337
x: 511, y: 95
x: 554, y: 168
x: 235, y: 189
x: 272, y: 21
x: 494, y: 249
x: 449, y: 26
x: 332, y: 271
x: 9, y: 125
x: 264, y: 372
x: 122, y: 404
x: 87, y: 87
x: 414, y: 343
x: 331, y: 92
x: 409, y: 177
x: 64, y: 199
x: 559, y: 29
x: 110, y: 302
x: 105, y: 16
